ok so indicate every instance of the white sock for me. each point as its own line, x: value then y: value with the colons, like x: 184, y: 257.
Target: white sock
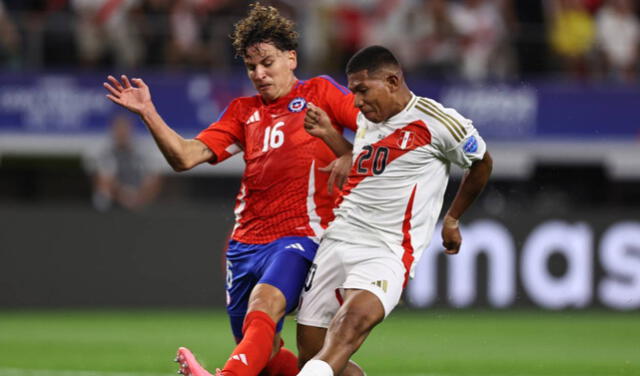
x: 316, y: 367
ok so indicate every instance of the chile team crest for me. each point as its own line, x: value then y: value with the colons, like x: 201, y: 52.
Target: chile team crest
x: 297, y: 104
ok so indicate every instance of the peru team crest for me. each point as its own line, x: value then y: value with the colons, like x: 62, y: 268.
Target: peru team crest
x: 297, y: 104
x: 406, y: 139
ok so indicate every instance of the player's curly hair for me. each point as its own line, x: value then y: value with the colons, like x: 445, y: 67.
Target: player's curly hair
x: 264, y: 24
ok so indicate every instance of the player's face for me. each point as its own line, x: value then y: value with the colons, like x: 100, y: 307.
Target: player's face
x: 372, y: 95
x: 270, y: 70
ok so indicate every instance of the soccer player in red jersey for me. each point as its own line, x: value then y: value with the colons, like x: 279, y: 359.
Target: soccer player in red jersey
x: 284, y: 202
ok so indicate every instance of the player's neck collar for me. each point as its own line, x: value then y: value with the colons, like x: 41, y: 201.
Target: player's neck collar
x: 405, y: 108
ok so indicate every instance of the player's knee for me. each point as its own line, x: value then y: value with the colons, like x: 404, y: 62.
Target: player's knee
x: 271, y: 309
x: 270, y: 303
x: 354, y: 323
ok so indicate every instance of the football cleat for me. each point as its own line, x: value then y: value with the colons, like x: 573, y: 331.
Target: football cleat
x: 189, y: 366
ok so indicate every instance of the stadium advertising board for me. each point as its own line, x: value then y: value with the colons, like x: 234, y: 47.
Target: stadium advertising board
x: 553, y: 264
x: 589, y: 259
x: 74, y: 103
x: 545, y: 111
x: 67, y: 113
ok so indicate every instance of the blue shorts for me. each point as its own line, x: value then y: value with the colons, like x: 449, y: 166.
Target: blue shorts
x: 283, y: 263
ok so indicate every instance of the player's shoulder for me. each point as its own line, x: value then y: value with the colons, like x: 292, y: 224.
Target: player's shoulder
x: 243, y: 105
x: 246, y: 102
x: 441, y: 120
x: 425, y: 106
x: 326, y: 83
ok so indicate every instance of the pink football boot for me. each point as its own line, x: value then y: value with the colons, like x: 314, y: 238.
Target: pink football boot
x: 189, y: 366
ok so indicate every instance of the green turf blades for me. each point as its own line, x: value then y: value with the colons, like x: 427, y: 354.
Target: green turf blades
x: 425, y: 343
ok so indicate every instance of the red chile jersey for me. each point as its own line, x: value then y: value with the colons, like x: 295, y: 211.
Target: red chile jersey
x: 282, y: 192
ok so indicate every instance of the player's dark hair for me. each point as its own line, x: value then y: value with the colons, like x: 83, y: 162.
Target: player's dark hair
x: 264, y: 24
x: 371, y: 58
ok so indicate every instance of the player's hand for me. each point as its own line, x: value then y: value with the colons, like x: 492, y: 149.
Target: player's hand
x: 317, y: 122
x: 339, y: 171
x: 451, y: 238
x: 136, y: 99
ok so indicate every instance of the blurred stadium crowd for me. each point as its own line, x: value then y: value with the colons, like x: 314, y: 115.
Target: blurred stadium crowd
x: 474, y: 40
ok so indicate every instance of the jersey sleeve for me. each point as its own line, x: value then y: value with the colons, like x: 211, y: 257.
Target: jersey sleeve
x: 225, y: 137
x: 454, y: 136
x: 338, y: 102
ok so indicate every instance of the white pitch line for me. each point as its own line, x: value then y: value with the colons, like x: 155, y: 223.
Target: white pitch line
x: 44, y: 372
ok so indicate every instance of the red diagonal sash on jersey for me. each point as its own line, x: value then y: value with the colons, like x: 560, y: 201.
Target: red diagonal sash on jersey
x: 400, y: 142
x: 407, y: 256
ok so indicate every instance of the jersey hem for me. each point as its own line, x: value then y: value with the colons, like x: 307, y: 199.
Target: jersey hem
x: 315, y: 323
x: 372, y: 289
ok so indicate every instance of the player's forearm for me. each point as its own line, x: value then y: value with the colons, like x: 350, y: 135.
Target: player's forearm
x: 176, y: 150
x: 338, y: 144
x: 470, y: 188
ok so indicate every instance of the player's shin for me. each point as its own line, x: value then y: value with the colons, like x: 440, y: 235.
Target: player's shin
x: 252, y: 354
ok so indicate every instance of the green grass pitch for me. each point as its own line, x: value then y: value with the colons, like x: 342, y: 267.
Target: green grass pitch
x: 427, y: 343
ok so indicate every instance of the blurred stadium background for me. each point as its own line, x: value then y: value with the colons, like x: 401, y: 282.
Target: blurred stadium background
x: 548, y: 280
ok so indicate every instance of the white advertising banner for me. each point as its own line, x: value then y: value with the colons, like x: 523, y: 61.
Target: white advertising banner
x: 554, y: 264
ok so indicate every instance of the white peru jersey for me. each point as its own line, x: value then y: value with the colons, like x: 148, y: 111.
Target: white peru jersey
x: 400, y: 172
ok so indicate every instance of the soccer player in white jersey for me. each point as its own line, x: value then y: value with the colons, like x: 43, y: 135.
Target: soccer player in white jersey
x: 403, y: 151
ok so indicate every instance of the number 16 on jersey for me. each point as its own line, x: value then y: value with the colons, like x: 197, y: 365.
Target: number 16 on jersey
x: 273, y: 137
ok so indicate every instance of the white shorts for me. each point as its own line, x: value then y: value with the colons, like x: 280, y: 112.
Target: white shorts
x: 340, y: 265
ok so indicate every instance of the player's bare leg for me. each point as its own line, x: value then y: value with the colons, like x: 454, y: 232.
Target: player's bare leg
x: 310, y: 341
x: 353, y: 322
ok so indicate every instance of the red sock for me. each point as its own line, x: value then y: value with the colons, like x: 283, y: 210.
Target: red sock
x: 284, y: 363
x: 252, y: 353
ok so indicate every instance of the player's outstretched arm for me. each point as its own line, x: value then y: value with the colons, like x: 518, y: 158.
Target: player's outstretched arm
x: 182, y: 154
x: 472, y: 184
